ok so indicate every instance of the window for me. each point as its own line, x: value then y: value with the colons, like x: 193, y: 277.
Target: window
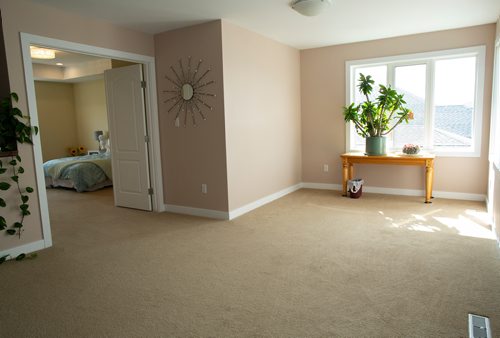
x: 443, y: 89
x: 494, y: 155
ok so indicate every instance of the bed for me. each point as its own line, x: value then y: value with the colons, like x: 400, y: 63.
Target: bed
x: 82, y: 173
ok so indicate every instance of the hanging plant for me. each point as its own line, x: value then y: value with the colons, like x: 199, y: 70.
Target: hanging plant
x: 14, y: 128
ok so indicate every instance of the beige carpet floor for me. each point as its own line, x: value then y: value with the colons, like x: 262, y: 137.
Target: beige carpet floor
x: 311, y: 264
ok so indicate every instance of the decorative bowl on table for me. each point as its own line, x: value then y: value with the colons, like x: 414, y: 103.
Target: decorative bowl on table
x: 411, y: 149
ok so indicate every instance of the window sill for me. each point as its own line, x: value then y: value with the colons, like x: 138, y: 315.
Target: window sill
x: 438, y: 153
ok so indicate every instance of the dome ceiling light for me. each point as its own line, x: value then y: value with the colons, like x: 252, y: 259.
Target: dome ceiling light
x: 310, y: 7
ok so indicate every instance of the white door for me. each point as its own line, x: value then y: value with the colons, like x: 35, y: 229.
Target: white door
x: 127, y: 125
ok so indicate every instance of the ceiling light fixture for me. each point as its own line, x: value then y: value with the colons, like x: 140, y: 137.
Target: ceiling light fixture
x: 310, y: 7
x: 42, y: 53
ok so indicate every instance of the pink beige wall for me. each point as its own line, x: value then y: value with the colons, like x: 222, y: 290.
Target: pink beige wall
x: 4, y: 80
x: 323, y: 127
x: 56, y: 118
x: 193, y: 156
x: 262, y: 105
x: 22, y: 16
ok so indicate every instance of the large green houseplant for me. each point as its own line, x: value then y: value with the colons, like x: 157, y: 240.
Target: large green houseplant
x: 373, y: 119
x: 14, y: 128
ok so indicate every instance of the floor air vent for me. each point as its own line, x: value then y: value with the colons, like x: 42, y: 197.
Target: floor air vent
x: 479, y: 327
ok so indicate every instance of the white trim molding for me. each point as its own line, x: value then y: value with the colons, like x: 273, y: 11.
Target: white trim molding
x: 199, y: 212
x: 26, y: 249
x: 224, y: 215
x: 322, y: 186
x: 262, y: 201
x: 401, y: 192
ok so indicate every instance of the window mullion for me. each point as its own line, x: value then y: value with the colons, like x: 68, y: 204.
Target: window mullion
x: 391, y: 80
x: 429, y: 107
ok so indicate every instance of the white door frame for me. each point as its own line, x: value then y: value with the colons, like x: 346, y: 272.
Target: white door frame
x: 148, y: 63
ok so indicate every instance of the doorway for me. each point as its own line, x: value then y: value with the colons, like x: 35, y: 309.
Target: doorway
x: 150, y: 121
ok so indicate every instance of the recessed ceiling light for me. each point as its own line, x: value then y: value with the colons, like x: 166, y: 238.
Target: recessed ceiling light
x: 42, y: 53
x: 59, y: 64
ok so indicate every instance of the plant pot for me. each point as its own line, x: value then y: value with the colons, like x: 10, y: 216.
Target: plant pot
x: 375, y: 146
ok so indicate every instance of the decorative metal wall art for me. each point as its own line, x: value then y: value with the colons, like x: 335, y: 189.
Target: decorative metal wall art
x: 189, y: 92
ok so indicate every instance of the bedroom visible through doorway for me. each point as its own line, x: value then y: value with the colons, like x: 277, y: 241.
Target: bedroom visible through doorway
x: 72, y: 117
x: 149, y: 120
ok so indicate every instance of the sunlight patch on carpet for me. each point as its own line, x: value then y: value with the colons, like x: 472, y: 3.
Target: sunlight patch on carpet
x: 466, y: 227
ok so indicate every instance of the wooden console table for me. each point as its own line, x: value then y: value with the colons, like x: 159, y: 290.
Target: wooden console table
x: 426, y: 160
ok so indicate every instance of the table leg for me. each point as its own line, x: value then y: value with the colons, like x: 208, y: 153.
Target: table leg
x: 429, y: 180
x: 345, y: 175
x: 351, y: 171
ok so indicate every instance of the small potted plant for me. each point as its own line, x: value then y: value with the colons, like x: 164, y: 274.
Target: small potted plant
x: 411, y: 149
x: 375, y: 119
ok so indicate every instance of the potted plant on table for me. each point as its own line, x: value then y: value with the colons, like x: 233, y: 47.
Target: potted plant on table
x: 373, y: 119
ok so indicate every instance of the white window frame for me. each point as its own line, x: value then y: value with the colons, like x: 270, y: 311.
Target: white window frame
x: 494, y: 148
x: 428, y: 58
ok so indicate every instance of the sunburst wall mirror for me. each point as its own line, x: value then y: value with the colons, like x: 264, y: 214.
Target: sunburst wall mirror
x: 190, y: 89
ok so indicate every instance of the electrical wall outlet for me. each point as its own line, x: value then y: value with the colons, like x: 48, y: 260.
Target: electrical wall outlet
x: 204, y: 188
x: 325, y: 168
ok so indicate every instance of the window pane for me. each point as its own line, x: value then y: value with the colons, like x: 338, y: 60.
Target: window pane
x: 410, y: 81
x: 455, y: 86
x: 495, y: 112
x: 379, y: 75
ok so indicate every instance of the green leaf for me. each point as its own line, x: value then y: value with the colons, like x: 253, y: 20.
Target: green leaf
x: 29, y: 189
x: 3, y: 223
x: 4, y: 186
x: 24, y: 206
x: 20, y: 170
x: 11, y: 232
x: 2, y: 170
x: 20, y: 257
x: 35, y: 128
x: 24, y: 198
x: 15, y: 178
x: 18, y: 158
x: 3, y: 259
x: 17, y: 112
x: 13, y: 162
x: 25, y: 212
x: 2, y: 203
x: 18, y: 225
x: 14, y: 97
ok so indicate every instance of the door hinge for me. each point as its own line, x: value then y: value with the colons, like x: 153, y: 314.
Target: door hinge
x: 146, y: 138
x: 150, y: 191
x: 143, y: 84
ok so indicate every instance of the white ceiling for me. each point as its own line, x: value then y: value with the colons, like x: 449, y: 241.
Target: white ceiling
x: 346, y: 21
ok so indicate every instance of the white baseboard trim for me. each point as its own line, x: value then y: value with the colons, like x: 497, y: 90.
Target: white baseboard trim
x: 403, y: 192
x: 26, y: 248
x: 310, y: 185
x: 262, y: 201
x: 322, y: 186
x: 209, y: 213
